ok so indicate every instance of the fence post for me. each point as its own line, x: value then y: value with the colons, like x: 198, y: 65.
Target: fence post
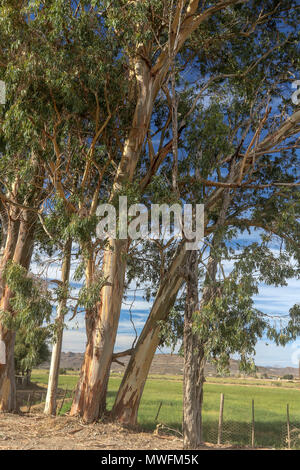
x: 253, y: 427
x: 158, y: 411
x: 220, y: 428
x: 63, y: 401
x: 30, y: 401
x: 288, y: 425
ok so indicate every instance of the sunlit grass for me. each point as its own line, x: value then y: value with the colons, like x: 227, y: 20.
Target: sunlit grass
x: 270, y: 407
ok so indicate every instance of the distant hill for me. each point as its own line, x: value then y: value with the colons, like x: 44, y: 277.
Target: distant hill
x: 170, y: 364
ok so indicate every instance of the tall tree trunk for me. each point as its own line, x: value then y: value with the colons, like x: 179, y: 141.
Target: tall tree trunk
x: 194, y: 359
x: 19, y: 247
x: 90, y: 395
x: 50, y: 405
x: 127, y: 402
x: 194, y: 348
x: 194, y: 345
x: 10, y: 231
x: 101, y: 336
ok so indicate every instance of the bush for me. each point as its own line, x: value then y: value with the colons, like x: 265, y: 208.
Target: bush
x: 30, y: 351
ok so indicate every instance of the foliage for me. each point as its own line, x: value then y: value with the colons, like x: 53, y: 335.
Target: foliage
x: 228, y: 323
x: 30, y: 300
x: 30, y: 350
x: 89, y: 296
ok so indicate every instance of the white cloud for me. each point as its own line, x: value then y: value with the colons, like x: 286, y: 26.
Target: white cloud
x: 272, y: 300
x: 276, y: 356
x: 74, y: 341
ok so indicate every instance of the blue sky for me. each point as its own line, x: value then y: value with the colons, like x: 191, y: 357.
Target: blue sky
x: 271, y: 300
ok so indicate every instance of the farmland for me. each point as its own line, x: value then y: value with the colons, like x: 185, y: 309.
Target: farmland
x: 270, y: 400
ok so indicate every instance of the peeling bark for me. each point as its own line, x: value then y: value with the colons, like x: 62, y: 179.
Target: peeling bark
x: 7, y: 374
x: 101, y: 331
x: 194, y: 345
x: 11, y: 222
x: 90, y: 395
x: 7, y: 371
x: 131, y: 389
x: 90, y: 392
x: 194, y: 360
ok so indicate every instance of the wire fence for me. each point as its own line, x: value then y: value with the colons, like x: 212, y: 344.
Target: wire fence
x: 34, y: 400
x: 252, y: 428
x: 253, y: 433
x: 291, y: 436
x: 233, y: 433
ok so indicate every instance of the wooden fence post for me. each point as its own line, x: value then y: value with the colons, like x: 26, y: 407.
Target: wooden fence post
x: 253, y: 427
x: 220, y: 428
x: 30, y: 401
x: 288, y: 425
x: 158, y: 411
x: 63, y: 400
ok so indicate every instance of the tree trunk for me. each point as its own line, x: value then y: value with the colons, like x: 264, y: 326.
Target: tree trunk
x: 7, y: 370
x: 102, y: 330
x: 7, y: 374
x: 131, y: 389
x: 90, y: 395
x: 194, y: 345
x: 19, y: 247
x: 9, y: 240
x: 50, y: 405
x: 194, y: 360
x: 90, y: 392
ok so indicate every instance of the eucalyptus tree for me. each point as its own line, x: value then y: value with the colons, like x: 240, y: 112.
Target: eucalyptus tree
x: 22, y: 195
x: 63, y: 290
x: 89, y: 80
x: 151, y: 42
x: 274, y: 213
x: 134, y: 51
x: 216, y: 316
x: 45, y: 76
x: 62, y: 73
x: 225, y: 321
x: 147, y: 35
x: 237, y: 145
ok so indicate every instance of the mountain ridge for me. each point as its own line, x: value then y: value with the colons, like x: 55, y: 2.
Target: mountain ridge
x: 171, y: 364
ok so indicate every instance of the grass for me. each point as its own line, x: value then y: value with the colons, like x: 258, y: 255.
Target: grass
x: 270, y: 406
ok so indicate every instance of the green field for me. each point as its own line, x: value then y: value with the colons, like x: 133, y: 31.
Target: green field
x: 270, y: 407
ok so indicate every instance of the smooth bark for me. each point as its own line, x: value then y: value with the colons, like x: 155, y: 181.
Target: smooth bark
x: 89, y: 399
x: 50, y: 405
x: 127, y: 402
x: 90, y: 394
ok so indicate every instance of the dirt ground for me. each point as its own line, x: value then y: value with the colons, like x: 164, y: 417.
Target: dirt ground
x: 32, y: 430
x: 38, y: 432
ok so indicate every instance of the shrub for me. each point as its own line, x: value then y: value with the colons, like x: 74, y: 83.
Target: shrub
x: 288, y: 377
